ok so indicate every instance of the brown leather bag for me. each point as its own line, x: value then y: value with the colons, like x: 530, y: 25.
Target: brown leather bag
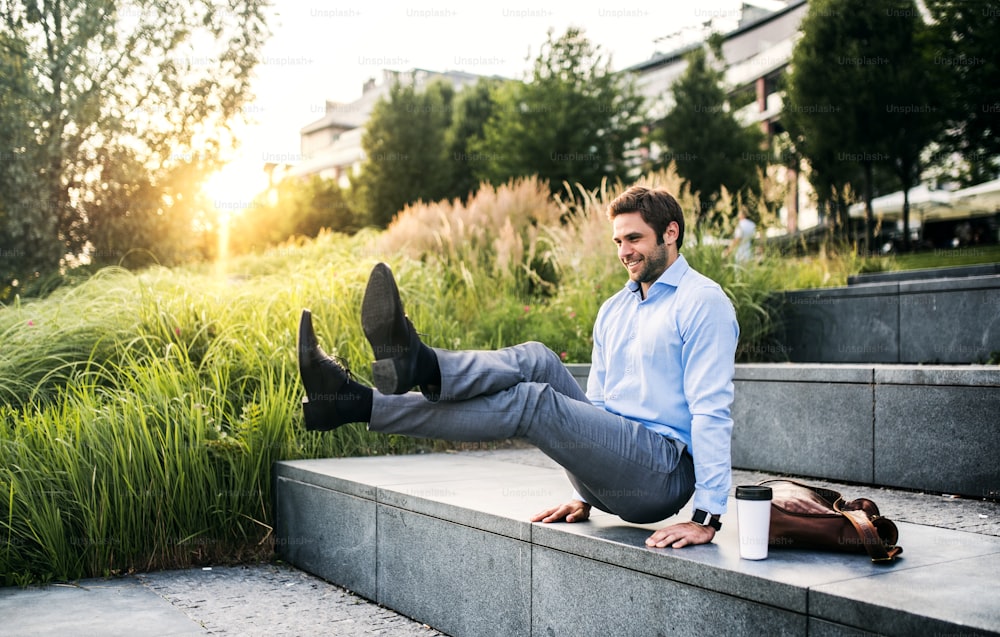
x: 817, y: 518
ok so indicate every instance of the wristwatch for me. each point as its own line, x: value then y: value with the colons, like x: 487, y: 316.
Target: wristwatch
x: 705, y: 518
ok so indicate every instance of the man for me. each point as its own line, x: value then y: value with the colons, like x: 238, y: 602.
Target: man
x: 654, y: 426
x: 742, y: 243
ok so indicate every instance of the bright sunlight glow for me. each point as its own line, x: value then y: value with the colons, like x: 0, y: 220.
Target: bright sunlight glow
x: 229, y: 192
x: 232, y: 189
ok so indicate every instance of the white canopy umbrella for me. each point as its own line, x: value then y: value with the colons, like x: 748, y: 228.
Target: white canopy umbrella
x: 982, y: 198
x: 924, y: 204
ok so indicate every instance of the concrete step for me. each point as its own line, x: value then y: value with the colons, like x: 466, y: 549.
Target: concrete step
x: 954, y: 272
x: 921, y: 427
x: 444, y: 539
x: 938, y: 320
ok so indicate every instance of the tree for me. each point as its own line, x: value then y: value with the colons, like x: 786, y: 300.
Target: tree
x: 128, y: 223
x: 473, y: 107
x: 573, y: 120
x: 405, y: 151
x: 295, y: 207
x: 709, y: 147
x: 857, y: 93
x: 87, y: 85
x: 917, y: 109
x: 962, y: 37
x: 26, y: 222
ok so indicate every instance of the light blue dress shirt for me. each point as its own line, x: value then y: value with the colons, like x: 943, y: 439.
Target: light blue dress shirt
x: 667, y: 362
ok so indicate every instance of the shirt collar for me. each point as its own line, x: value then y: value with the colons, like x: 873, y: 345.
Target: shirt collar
x: 671, y: 276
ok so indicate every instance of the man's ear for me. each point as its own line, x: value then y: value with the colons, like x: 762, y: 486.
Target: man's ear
x: 670, y: 236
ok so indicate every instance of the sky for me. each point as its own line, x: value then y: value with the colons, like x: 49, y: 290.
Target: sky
x: 322, y: 50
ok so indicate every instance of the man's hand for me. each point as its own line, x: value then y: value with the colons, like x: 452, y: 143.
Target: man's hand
x: 572, y: 511
x: 683, y: 534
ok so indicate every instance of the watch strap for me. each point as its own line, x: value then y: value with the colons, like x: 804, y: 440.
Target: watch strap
x: 705, y: 518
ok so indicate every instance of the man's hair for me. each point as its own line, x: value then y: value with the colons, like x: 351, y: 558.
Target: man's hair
x: 657, y: 207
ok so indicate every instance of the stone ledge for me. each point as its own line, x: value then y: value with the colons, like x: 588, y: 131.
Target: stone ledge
x: 950, y: 321
x: 823, y: 296
x: 445, y: 539
x: 944, y: 375
x: 948, y: 285
x: 954, y: 272
x: 893, y: 431
x: 805, y: 372
x: 885, y: 425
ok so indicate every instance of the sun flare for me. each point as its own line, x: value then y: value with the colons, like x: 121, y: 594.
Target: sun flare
x: 232, y: 189
x: 229, y: 192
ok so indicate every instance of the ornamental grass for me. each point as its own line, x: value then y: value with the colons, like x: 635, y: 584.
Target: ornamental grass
x: 141, y: 412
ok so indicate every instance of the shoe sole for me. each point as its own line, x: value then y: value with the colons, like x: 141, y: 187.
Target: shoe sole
x: 380, y: 309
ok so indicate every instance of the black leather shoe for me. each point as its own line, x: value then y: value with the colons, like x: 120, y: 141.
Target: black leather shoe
x: 394, y: 342
x: 323, y: 379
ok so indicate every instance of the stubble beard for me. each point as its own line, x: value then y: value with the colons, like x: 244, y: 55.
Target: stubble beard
x: 654, y: 265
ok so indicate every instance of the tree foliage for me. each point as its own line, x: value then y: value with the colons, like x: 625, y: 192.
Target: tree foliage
x: 111, y: 113
x: 138, y: 216
x: 574, y: 120
x: 294, y: 208
x: 473, y: 107
x: 860, y: 94
x: 709, y: 147
x: 405, y: 150
x: 916, y: 112
x: 962, y: 37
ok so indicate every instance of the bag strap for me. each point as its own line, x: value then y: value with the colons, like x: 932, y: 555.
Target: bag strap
x: 832, y: 497
x: 877, y: 550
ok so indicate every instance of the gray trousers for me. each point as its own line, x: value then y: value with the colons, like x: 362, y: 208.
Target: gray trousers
x: 617, y: 465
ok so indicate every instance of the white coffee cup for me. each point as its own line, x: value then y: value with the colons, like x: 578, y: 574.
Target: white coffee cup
x: 753, y: 519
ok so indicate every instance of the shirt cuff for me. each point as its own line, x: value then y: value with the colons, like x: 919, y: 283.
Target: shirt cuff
x: 577, y: 496
x: 712, y: 501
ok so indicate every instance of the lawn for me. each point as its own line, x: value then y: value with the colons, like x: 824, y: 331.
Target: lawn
x: 946, y: 258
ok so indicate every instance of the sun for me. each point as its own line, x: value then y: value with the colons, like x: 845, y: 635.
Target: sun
x: 232, y: 189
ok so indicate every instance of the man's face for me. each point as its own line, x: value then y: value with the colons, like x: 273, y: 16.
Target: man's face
x: 638, y: 249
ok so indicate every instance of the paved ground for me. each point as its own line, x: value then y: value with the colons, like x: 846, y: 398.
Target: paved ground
x: 277, y: 600
x: 266, y: 599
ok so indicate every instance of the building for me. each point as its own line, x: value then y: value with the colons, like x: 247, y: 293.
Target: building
x: 756, y: 53
x: 331, y: 146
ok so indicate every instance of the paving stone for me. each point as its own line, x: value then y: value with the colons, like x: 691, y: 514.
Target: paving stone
x: 92, y: 607
x: 621, y: 601
x: 918, y: 424
x: 276, y: 600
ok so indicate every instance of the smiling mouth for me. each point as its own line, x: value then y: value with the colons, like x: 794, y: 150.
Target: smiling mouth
x: 632, y: 264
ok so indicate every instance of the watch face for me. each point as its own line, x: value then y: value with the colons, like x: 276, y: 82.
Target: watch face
x: 704, y: 518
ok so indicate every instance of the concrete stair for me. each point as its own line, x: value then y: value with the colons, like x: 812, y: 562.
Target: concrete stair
x: 921, y: 427
x: 444, y: 538
x: 904, y: 318
x: 954, y: 272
